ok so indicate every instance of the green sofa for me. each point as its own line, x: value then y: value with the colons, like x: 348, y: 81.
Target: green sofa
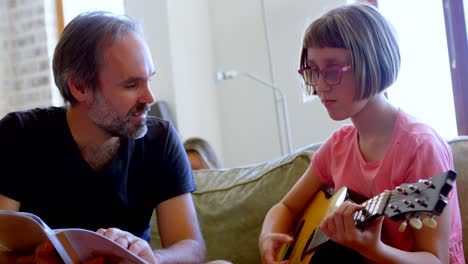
x: 231, y: 203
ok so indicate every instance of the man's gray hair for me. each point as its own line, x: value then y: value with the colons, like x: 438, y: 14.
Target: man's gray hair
x: 78, y: 54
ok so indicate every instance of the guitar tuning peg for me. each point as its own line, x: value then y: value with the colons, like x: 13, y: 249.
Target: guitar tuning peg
x: 403, y: 226
x: 421, y: 202
x: 401, y: 190
x: 415, y: 222
x: 414, y: 188
x: 429, y: 221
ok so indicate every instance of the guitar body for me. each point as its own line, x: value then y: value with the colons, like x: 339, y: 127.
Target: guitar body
x: 308, y: 226
x: 406, y: 203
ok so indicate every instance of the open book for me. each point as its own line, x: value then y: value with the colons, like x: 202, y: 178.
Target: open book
x: 23, y: 232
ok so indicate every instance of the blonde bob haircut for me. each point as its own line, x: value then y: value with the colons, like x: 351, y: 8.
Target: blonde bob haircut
x: 368, y: 36
x: 204, y: 150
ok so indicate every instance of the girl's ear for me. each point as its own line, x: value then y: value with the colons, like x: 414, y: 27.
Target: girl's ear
x: 80, y: 92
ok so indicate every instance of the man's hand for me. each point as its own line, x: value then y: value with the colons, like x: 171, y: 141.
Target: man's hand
x: 45, y: 253
x: 131, y: 242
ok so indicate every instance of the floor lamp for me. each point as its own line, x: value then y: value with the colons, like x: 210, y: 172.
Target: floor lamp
x: 286, y: 144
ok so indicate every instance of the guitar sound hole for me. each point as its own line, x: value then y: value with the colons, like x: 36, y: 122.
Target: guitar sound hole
x: 288, y: 252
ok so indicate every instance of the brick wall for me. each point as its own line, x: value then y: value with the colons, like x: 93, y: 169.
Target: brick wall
x: 27, y: 36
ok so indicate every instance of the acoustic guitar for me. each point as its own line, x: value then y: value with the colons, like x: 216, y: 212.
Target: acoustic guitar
x: 414, y: 203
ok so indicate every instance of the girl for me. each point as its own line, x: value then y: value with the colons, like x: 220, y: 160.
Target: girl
x: 350, y: 57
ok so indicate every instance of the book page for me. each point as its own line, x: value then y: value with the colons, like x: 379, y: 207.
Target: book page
x: 21, y: 232
x: 83, y: 245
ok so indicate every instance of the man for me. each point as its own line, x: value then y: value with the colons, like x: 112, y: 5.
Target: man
x: 100, y: 161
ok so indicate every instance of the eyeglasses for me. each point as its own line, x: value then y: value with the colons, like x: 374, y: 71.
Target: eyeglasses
x: 332, y: 76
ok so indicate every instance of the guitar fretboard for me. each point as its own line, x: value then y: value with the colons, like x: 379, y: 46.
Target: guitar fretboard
x: 372, y: 208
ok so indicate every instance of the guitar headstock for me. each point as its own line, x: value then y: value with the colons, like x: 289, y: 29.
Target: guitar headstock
x: 409, y: 200
x: 429, y: 196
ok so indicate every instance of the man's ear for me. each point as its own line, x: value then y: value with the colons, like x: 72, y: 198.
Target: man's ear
x: 79, y: 91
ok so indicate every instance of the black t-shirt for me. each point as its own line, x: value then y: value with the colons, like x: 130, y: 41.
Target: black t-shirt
x: 42, y: 168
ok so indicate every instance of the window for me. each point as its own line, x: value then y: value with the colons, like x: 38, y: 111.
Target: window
x: 465, y: 12
x: 424, y: 85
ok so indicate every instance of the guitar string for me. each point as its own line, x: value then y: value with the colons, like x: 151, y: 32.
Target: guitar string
x: 394, y: 196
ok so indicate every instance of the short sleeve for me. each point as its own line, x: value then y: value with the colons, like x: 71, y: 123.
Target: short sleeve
x: 431, y: 157
x: 11, y: 147
x: 178, y: 173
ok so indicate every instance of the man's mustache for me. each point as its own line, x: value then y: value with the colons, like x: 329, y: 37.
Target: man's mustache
x: 140, y: 108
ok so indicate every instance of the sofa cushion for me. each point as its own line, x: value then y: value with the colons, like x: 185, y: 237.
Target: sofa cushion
x: 459, y: 147
x: 232, y: 203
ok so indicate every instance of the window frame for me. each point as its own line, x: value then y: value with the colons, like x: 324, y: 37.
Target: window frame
x: 457, y: 43
x: 60, y: 18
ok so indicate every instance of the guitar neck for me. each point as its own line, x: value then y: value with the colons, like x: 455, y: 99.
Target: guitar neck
x: 372, y: 209
x: 426, y: 196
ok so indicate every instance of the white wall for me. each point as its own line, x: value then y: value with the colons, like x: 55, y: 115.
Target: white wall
x: 192, y: 57
x: 191, y: 40
x: 154, y: 16
x: 178, y: 33
x: 249, y: 124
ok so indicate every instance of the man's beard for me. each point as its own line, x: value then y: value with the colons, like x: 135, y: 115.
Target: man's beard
x: 104, y: 115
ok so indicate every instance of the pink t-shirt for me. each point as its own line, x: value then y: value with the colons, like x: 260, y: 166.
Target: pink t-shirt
x: 415, y: 152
